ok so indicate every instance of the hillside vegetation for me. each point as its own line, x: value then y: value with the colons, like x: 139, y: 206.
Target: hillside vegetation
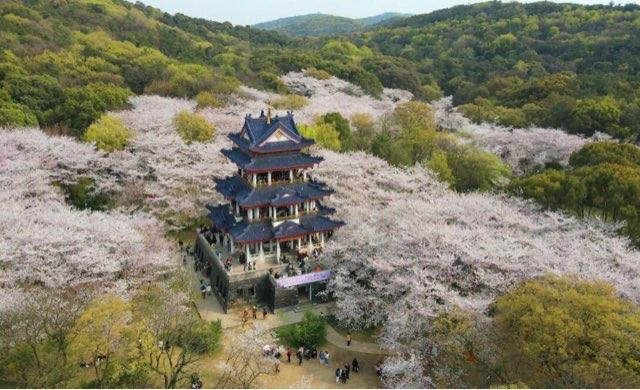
x: 323, y: 24
x: 555, y: 65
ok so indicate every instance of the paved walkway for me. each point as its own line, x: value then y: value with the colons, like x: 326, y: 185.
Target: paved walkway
x: 211, y: 310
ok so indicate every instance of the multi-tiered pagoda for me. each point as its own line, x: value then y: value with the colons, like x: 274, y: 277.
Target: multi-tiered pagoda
x: 274, y: 215
x: 275, y: 206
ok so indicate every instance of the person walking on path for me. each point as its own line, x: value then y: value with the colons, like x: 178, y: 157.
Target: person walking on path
x: 277, y: 364
x: 289, y: 355
x: 343, y: 376
x: 264, y: 313
x: 326, y: 357
x: 254, y: 311
x: 355, y: 366
x: 348, y: 339
x: 321, y: 357
x: 300, y: 354
x: 347, y: 368
x: 245, y: 316
x: 338, y: 374
x: 203, y: 290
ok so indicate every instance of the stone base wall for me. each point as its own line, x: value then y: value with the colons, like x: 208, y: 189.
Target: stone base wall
x: 249, y: 287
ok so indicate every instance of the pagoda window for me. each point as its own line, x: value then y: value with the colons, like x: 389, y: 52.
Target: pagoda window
x: 279, y: 177
x: 262, y: 178
x: 282, y: 212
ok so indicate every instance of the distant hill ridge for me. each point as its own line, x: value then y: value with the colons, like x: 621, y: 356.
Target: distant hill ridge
x: 324, y: 24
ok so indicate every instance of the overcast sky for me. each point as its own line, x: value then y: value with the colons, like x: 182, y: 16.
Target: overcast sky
x: 255, y: 11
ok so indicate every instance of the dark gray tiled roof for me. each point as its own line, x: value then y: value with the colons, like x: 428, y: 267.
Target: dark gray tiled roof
x: 221, y: 217
x: 260, y: 128
x: 252, y: 232
x: 263, y: 230
x: 237, y: 189
x: 289, y: 229
x: 271, y: 147
x: 263, y: 163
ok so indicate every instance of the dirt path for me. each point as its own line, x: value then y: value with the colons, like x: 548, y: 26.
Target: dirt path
x: 339, y: 340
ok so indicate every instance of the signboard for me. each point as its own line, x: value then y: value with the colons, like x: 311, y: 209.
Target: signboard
x: 311, y: 277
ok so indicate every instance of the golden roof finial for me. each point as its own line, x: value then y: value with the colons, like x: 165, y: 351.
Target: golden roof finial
x: 269, y: 115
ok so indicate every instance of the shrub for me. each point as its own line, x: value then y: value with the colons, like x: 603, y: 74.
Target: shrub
x: 567, y: 332
x: 207, y: 99
x: 13, y: 114
x: 317, y: 74
x: 84, y: 195
x: 310, y: 333
x: 290, y: 102
x: 83, y: 105
x: 109, y: 133
x: 431, y: 92
x: 193, y: 127
x: 325, y: 134
x: 272, y: 82
x: 342, y: 127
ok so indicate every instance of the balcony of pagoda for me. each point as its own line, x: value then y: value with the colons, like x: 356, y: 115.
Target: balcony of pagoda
x: 265, y: 179
x: 277, y: 257
x: 282, y: 213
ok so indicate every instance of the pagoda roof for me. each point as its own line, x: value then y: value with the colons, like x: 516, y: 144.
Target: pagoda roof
x: 233, y: 187
x: 244, y: 232
x: 265, y: 163
x: 221, y: 217
x: 270, y: 135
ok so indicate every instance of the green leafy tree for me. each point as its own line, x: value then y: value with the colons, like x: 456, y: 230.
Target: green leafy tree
x: 325, y: 134
x: 84, y: 105
x: 438, y: 164
x: 15, y: 115
x: 310, y: 333
x: 172, y: 338
x: 193, y: 127
x: 109, y: 133
x: 84, y: 195
x: 206, y: 99
x: 591, y: 115
x: 342, y: 126
x: 290, y: 102
x: 606, y: 152
x: 99, y: 334
x: 364, y: 133
x: 566, y: 332
x: 477, y: 170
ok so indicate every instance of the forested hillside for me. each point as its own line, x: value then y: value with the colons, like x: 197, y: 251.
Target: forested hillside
x: 558, y: 65
x: 322, y: 24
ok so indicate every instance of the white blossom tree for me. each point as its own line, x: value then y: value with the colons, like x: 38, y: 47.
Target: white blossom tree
x: 412, y: 249
x: 523, y: 149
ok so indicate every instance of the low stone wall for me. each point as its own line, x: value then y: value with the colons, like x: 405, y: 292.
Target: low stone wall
x: 219, y: 278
